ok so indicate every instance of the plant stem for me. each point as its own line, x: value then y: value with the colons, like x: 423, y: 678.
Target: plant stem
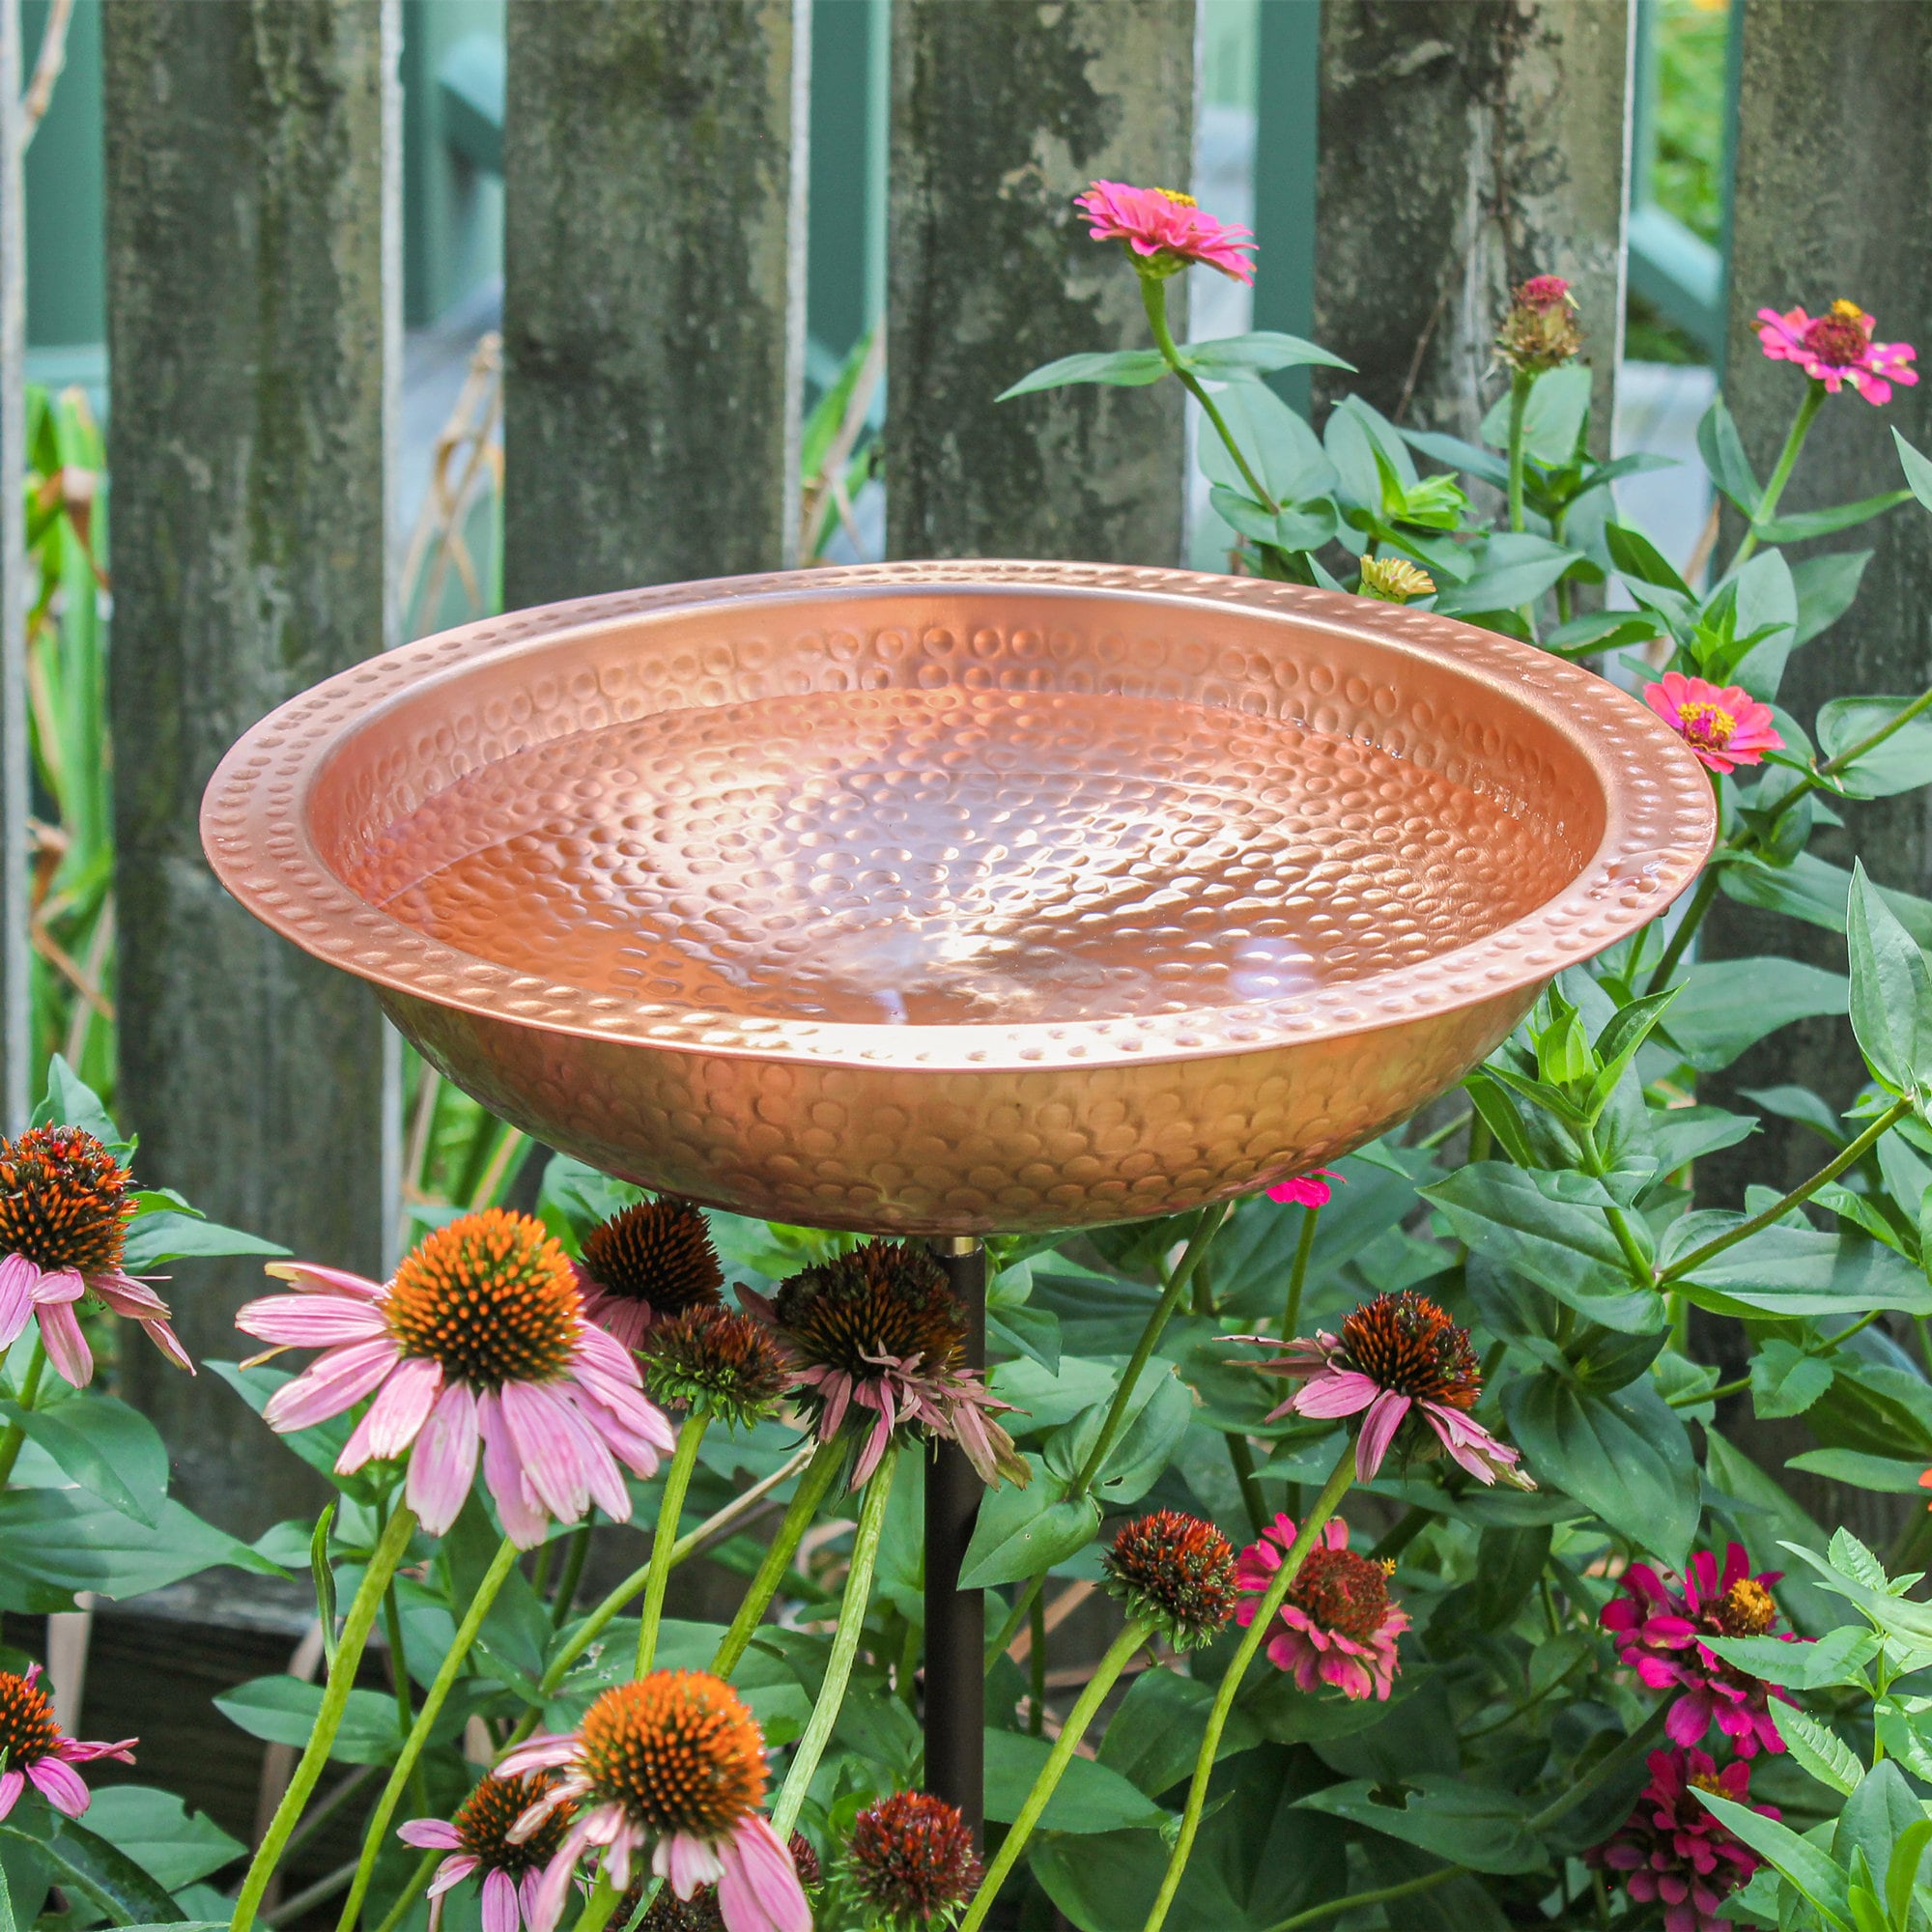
x: 1355, y: 1900
x: 1276, y: 1594
x: 434, y: 1700
x: 1153, y: 298
x: 1686, y: 929
x: 1297, y: 1274
x: 1051, y: 1772
x: 805, y: 1499
x: 599, y: 1906
x: 419, y: 1879
x: 1191, y: 1258
x: 844, y: 1645
x: 1639, y: 1263
x: 1603, y: 1771
x: 399, y: 1673
x: 1022, y: 1609
x: 573, y: 1573
x: 355, y: 1628
x: 1787, y: 459
x: 16, y: 1436
x: 1690, y: 1398
x: 1241, y: 1458
x: 670, y: 1513
x: 1521, y: 381
x: 1813, y: 779
x: 1855, y: 1152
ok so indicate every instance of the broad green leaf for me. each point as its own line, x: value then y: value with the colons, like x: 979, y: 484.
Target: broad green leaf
x: 1839, y: 1656
x: 1158, y: 1414
x: 1154, y: 1737
x: 1475, y: 1825
x: 1917, y: 470
x: 1636, y: 556
x: 1504, y: 586
x: 166, y: 1235
x: 1356, y: 435
x: 1902, y: 1870
x: 1881, y: 1808
x: 1860, y: 1471
x: 174, y: 1845
x: 1022, y: 1532
x: 61, y: 1540
x: 112, y: 1451
x: 1892, y: 992
x: 319, y: 1446
x: 1790, y: 1272
x: 1809, y: 524
x: 282, y: 1710
x: 1456, y: 454
x: 1786, y: 1380
x: 1817, y: 1748
x: 1047, y: 1398
x: 1766, y: 609
x: 1723, y: 452
x: 70, y: 1102
x: 1552, y: 416
x: 1229, y: 358
x: 1089, y: 1798
x: 1128, y: 368
x: 1284, y: 452
x: 1813, y: 889
x: 1810, y: 1870
x: 1826, y: 588
x: 1903, y: 762
x: 83, y: 1861
x: 1729, y: 1005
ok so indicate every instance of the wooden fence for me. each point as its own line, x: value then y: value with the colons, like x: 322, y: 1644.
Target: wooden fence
x: 655, y: 269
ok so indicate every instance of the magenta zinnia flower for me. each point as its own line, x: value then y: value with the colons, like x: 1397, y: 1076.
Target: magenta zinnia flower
x: 1339, y: 1625
x: 35, y: 1751
x: 674, y: 1761
x: 479, y: 1342
x: 1407, y: 1370
x: 1165, y: 230
x: 478, y: 1839
x: 1725, y: 726
x: 879, y: 1329
x: 1305, y: 1190
x: 64, y: 1212
x: 1671, y: 1850
x: 1836, y: 348
x: 1660, y: 1626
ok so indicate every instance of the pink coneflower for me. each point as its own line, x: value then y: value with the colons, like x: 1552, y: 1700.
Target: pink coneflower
x: 880, y: 1329
x: 479, y: 1341
x: 1305, y: 1190
x: 1659, y: 1627
x: 1674, y: 1852
x: 1836, y: 348
x: 675, y: 1761
x: 911, y: 1863
x: 478, y: 1839
x: 35, y: 1751
x: 652, y: 1262
x: 1338, y: 1624
x: 1725, y: 725
x: 64, y: 1212
x: 1406, y: 1369
x: 1165, y: 230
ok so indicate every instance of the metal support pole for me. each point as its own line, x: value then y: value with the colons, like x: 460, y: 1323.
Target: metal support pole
x: 956, y: 1619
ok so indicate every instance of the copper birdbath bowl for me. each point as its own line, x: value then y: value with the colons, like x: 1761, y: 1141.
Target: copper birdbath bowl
x: 951, y: 897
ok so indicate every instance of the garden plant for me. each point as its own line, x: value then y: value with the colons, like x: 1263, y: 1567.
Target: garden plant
x: 1447, y: 1593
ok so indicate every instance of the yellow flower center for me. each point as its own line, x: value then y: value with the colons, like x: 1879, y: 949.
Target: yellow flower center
x: 1175, y: 195
x: 1848, y: 311
x: 1746, y: 1608
x: 1708, y: 727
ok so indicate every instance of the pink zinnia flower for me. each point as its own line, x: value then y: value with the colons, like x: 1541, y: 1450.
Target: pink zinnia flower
x: 1338, y: 1624
x: 1674, y: 1852
x: 1539, y: 331
x: 879, y: 1329
x: 1837, y: 348
x: 652, y: 1262
x: 35, y: 1751
x: 64, y: 1213
x: 1725, y: 726
x: 478, y: 1839
x: 479, y: 1342
x: 676, y: 1762
x: 1305, y: 1190
x: 1400, y: 1361
x: 1660, y: 1626
x: 1165, y: 229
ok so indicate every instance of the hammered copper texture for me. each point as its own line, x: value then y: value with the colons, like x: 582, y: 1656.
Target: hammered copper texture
x: 959, y: 897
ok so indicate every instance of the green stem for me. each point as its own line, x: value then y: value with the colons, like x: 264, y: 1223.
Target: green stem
x: 399, y: 1672
x: 1639, y: 1263
x: 844, y: 1646
x: 1022, y: 1609
x: 356, y: 1629
x: 1814, y: 780
x: 599, y: 1906
x: 1521, y: 381
x: 1241, y: 1457
x: 1355, y: 1900
x: 1297, y: 1274
x: 1686, y: 929
x: 1191, y: 1258
x: 579, y: 1554
x: 1153, y: 298
x: 908, y: 1666
x: 419, y: 1882
x: 670, y: 1513
x: 1690, y: 1398
x: 376, y: 1835
x: 1037, y: 1671
x: 1855, y: 1152
x: 1603, y: 1771
x: 1781, y: 476
x: 16, y: 1436
x: 1276, y: 1594
x: 1051, y: 1772
x: 812, y: 1487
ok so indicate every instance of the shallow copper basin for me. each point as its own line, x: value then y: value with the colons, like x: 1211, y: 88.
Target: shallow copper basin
x: 952, y: 898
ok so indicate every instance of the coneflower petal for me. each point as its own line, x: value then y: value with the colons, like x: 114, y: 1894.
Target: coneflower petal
x: 1340, y: 1392
x: 429, y: 1835
x: 499, y: 1902
x: 554, y: 1888
x: 395, y: 1416
x: 546, y: 1446
x: 686, y: 1861
x: 311, y: 1278
x: 760, y: 1891
x: 11, y: 1785
x: 443, y: 1466
x: 57, y: 1286
x: 523, y: 1520
x: 18, y: 1278
x: 309, y: 1321
x: 66, y: 1347
x: 126, y: 1293
x: 169, y: 1343
x: 451, y: 1872
x: 59, y: 1785
x: 1379, y: 1427
x: 331, y: 1383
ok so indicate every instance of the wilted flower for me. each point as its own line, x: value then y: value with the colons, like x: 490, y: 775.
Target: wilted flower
x: 1339, y: 1625
x: 911, y: 1863
x: 1394, y: 579
x: 64, y: 1212
x: 1305, y: 1190
x: 718, y: 1360
x: 880, y: 1329
x: 1725, y: 725
x: 1400, y: 1359
x: 478, y: 1341
x: 1660, y: 1625
x: 35, y: 1751
x: 1674, y: 1852
x: 675, y: 1761
x: 650, y: 1262
x: 1540, y: 330
x: 1836, y: 348
x: 478, y: 1839
x: 1164, y: 230
x: 1176, y: 1569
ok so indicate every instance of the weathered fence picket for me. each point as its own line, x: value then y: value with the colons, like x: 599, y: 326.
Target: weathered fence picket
x: 253, y: 303
x: 15, y: 1041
